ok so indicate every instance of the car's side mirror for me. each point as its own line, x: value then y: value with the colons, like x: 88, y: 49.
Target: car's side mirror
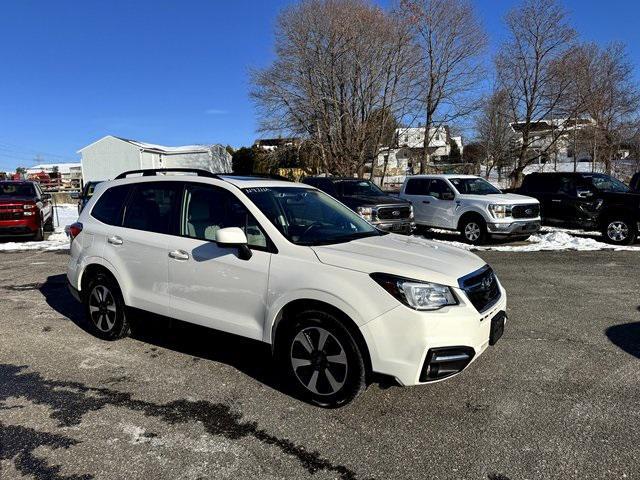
x: 448, y: 196
x: 234, y: 237
x: 585, y: 193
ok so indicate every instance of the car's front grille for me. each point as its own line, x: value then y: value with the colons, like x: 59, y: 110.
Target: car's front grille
x: 10, y: 215
x: 526, y: 211
x: 397, y: 212
x: 481, y: 288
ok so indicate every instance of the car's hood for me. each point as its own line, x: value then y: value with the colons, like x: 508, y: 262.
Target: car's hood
x: 501, y: 198
x: 372, y: 200
x: 410, y: 257
x: 622, y: 198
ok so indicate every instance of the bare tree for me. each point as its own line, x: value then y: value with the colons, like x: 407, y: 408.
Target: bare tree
x: 342, y: 67
x: 531, y: 68
x: 451, y: 41
x: 494, y: 132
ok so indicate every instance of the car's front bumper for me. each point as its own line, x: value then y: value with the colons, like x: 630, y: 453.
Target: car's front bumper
x: 400, y: 226
x: 19, y: 227
x: 514, y: 228
x: 400, y: 340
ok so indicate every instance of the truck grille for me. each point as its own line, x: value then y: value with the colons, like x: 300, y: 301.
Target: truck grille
x: 10, y: 212
x: 526, y: 211
x: 398, y: 212
x: 481, y: 288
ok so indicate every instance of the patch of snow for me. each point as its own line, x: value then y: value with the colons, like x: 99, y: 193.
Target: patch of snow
x: 64, y: 214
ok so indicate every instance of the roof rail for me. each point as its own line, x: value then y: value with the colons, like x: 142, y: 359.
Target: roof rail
x: 150, y: 172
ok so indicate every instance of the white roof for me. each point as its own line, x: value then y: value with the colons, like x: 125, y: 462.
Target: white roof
x: 152, y: 147
x: 48, y: 167
x: 442, y: 175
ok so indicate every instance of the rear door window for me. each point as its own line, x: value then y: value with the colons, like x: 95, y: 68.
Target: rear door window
x: 153, y: 207
x: 108, y: 209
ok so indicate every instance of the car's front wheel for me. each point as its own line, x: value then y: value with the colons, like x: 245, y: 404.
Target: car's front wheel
x: 474, y: 230
x: 321, y: 359
x: 620, y: 231
x: 105, y: 309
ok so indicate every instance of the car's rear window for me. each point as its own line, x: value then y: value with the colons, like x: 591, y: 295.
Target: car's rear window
x: 16, y: 190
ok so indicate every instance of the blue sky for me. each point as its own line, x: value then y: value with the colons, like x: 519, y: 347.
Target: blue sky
x: 169, y: 72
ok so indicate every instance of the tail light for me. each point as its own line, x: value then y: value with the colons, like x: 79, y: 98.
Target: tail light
x: 73, y: 230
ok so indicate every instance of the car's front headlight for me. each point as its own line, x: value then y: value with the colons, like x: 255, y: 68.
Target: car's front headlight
x: 416, y: 294
x: 365, y: 212
x: 500, y: 211
x: 410, y: 212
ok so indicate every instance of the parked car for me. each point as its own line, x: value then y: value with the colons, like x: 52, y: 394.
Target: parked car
x: 367, y: 200
x: 25, y: 210
x: 86, y: 194
x: 471, y: 205
x: 634, y: 184
x: 587, y: 201
x: 284, y: 263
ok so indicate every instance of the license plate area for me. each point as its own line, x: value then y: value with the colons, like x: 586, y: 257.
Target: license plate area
x: 497, y: 327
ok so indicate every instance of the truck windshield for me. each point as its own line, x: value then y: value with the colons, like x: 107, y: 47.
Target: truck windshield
x: 474, y: 186
x: 16, y: 190
x: 361, y: 188
x: 308, y: 216
x: 605, y: 183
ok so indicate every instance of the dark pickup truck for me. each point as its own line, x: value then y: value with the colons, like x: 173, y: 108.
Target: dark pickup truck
x: 367, y: 200
x: 587, y: 201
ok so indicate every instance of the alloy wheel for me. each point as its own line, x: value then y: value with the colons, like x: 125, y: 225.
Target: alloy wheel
x: 102, y: 308
x: 472, y: 231
x: 618, y: 231
x: 319, y: 361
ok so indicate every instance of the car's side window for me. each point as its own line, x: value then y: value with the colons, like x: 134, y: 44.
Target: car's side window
x: 417, y: 186
x: 438, y: 188
x: 207, y: 209
x: 108, y: 208
x: 153, y: 207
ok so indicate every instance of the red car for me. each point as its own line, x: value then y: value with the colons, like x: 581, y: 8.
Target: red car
x: 25, y: 210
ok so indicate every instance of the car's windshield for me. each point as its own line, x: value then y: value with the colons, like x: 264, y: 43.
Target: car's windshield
x: 474, y: 186
x: 605, y: 183
x: 308, y: 216
x: 361, y: 188
x: 16, y: 190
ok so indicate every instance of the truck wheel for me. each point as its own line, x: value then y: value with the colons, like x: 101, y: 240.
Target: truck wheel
x: 321, y: 360
x: 105, y: 309
x: 39, y: 235
x: 474, y: 230
x: 48, y: 226
x: 619, y: 231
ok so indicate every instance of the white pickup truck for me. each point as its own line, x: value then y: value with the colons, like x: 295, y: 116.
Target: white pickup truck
x: 470, y: 205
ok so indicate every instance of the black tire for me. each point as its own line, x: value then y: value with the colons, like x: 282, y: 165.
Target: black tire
x: 339, y: 356
x: 474, y: 230
x: 39, y: 235
x: 109, y: 321
x: 48, y: 226
x: 619, y: 231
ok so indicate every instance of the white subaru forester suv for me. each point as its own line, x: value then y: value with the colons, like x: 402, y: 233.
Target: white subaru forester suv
x: 286, y: 264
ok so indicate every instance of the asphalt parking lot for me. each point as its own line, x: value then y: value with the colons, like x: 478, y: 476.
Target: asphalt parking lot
x: 556, y: 398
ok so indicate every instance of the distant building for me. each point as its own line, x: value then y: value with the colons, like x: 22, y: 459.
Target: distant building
x: 271, y: 144
x: 110, y: 156
x: 565, y: 132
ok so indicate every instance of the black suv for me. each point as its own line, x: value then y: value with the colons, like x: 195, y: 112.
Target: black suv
x: 367, y: 200
x: 587, y: 201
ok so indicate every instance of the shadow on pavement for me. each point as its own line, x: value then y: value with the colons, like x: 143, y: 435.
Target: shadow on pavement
x: 251, y: 357
x: 626, y: 337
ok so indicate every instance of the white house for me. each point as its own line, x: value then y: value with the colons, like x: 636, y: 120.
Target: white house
x: 110, y: 156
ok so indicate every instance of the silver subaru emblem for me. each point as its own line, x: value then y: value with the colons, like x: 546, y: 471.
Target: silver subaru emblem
x: 487, y: 282
x: 396, y: 213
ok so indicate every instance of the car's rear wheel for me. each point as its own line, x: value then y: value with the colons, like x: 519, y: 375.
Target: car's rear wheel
x: 620, y: 231
x: 474, y: 230
x: 48, y: 226
x: 39, y: 235
x: 105, y: 311
x: 321, y: 359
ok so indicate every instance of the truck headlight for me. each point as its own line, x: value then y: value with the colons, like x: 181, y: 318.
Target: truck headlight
x: 365, y: 212
x: 416, y: 294
x: 410, y: 212
x: 500, y: 211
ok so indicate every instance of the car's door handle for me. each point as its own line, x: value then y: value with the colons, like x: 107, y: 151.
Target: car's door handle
x: 179, y: 255
x: 555, y: 200
x: 426, y: 201
x: 115, y: 240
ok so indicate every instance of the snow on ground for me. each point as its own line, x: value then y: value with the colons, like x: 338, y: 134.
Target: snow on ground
x: 549, y: 238
x: 64, y: 215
